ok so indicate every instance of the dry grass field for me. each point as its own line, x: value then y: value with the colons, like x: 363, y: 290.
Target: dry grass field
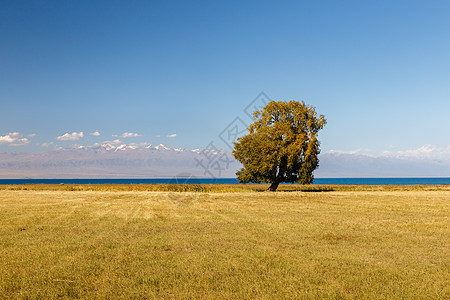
x: 224, y: 242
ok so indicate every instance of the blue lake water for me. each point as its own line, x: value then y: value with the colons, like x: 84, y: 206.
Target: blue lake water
x: 345, y: 181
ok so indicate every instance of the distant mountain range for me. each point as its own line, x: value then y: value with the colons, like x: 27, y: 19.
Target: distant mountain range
x: 117, y: 161
x: 112, y: 160
x: 335, y: 165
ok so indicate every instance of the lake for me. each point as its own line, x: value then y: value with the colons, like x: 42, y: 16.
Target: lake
x: 192, y: 180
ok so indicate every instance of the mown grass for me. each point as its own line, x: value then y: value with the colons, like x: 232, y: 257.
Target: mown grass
x: 355, y: 244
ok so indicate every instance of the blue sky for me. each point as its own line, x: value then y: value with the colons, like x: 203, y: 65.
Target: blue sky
x: 378, y: 70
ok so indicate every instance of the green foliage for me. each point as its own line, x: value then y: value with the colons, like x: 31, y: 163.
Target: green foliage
x: 281, y: 145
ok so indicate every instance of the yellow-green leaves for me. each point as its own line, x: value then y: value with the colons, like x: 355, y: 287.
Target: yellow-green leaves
x: 282, y: 144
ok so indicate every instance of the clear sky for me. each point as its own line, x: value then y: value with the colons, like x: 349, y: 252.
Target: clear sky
x: 378, y: 70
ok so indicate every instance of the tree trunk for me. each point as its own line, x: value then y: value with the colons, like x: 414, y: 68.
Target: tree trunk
x: 273, y: 186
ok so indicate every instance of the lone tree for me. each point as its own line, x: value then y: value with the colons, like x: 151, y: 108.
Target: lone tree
x: 281, y: 145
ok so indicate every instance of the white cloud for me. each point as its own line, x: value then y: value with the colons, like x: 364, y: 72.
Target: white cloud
x: 14, y: 139
x: 158, y: 135
x: 74, y: 136
x: 424, y: 152
x: 47, y: 144
x: 95, y: 133
x: 9, y: 138
x: 172, y: 135
x: 130, y: 134
x: 359, y: 151
x: 21, y: 142
x: 127, y: 135
x: 32, y: 135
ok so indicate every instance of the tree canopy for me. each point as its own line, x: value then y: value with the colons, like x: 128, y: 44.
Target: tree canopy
x: 281, y: 145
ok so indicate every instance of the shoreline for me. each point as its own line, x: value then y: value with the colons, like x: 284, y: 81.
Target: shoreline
x: 219, y: 188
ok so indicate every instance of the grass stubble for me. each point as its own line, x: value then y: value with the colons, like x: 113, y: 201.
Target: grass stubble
x: 361, y: 243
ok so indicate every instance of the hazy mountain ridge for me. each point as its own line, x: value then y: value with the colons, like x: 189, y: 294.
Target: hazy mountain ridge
x: 337, y: 164
x: 109, y: 160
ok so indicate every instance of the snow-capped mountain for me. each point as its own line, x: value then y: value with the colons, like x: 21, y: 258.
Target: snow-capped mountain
x: 115, y: 160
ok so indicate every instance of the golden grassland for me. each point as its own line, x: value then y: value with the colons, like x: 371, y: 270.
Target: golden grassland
x: 224, y: 241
